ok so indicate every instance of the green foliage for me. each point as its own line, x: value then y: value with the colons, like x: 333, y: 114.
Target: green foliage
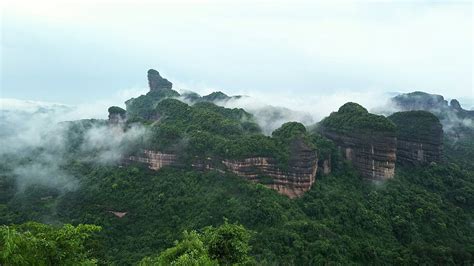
x: 415, y: 124
x: 116, y: 110
x: 423, y: 216
x: 144, y: 105
x: 460, y: 150
x: 75, y: 132
x: 354, y: 118
x: 289, y: 131
x: 352, y: 108
x: 189, y: 251
x: 216, y: 96
x: 228, y: 243
x: 206, y: 130
x: 326, y: 148
x: 40, y: 244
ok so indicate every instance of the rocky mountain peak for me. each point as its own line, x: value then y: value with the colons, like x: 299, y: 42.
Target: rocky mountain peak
x: 455, y: 104
x: 156, y: 82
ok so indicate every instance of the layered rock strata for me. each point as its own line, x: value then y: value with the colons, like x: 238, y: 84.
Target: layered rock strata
x: 373, y: 155
x: 155, y: 160
x: 292, y: 182
x: 419, y: 138
x: 367, y: 140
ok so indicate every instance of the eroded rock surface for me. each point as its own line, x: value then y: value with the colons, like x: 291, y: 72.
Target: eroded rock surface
x: 373, y: 155
x: 156, y: 82
x: 365, y: 139
x: 155, y: 159
x: 292, y: 182
x: 419, y: 138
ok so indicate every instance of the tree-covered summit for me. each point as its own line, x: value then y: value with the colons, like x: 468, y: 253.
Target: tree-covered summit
x: 413, y: 123
x: 352, y: 117
x: 143, y: 107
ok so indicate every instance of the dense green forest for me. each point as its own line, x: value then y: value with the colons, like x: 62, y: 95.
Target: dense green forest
x: 128, y: 214
x: 424, y: 215
x: 352, y: 117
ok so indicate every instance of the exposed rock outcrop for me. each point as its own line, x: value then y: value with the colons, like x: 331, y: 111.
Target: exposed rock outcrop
x: 155, y: 159
x: 116, y: 114
x: 373, y: 155
x: 156, y: 82
x: 325, y: 166
x: 365, y: 139
x: 293, y: 182
x: 419, y: 137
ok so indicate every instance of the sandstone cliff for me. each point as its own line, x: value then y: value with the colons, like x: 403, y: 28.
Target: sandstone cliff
x: 365, y: 139
x: 292, y: 182
x: 419, y: 137
x: 155, y: 160
x: 373, y: 155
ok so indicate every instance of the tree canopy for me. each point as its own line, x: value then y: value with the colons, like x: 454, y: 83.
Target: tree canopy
x: 39, y: 244
x: 352, y: 117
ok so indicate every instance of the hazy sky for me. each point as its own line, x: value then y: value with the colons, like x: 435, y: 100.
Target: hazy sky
x: 75, y: 52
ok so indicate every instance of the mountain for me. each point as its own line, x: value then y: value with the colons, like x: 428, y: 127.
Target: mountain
x: 175, y: 178
x: 457, y: 121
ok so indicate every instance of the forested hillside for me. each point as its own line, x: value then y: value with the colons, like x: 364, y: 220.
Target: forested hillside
x: 424, y: 215
x: 120, y: 212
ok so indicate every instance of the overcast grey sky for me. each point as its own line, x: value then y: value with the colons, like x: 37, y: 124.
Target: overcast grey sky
x: 75, y: 52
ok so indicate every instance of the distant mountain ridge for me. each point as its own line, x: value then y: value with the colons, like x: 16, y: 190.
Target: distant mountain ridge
x: 434, y: 103
x: 457, y: 121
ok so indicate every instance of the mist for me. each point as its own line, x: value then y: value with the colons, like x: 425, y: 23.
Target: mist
x: 35, y: 132
x: 35, y: 136
x: 272, y: 110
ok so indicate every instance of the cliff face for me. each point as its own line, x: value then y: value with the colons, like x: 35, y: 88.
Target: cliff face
x: 420, y: 137
x: 156, y: 82
x: 155, y: 159
x: 365, y: 139
x: 373, y: 155
x: 293, y: 182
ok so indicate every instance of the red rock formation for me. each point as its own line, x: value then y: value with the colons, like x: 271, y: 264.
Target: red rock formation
x: 155, y: 159
x: 293, y: 182
x: 420, y: 137
x: 373, y: 155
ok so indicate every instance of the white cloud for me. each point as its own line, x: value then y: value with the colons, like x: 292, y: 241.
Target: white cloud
x: 306, y: 47
x: 31, y: 132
